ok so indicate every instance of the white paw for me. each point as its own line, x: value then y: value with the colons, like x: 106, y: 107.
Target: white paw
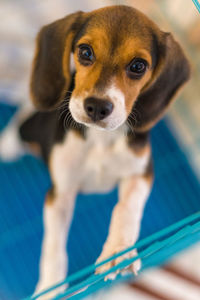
x: 53, y: 270
x: 111, y: 250
x: 42, y: 286
x: 10, y: 145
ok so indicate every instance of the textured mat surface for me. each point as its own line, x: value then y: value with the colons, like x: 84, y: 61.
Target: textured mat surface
x: 23, y: 184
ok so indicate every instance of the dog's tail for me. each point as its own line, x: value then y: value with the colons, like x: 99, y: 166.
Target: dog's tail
x: 11, y: 144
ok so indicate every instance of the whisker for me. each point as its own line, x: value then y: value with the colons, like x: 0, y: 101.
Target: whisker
x: 64, y: 103
x: 62, y: 112
x: 138, y: 114
x: 130, y: 126
x: 67, y: 91
x: 67, y: 120
x: 132, y: 120
x: 70, y: 121
x: 64, y: 122
x: 133, y: 117
x: 75, y: 124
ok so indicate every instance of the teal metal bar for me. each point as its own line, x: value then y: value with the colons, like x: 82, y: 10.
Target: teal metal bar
x: 142, y: 243
x: 102, y: 284
x: 197, y: 4
x: 125, y: 263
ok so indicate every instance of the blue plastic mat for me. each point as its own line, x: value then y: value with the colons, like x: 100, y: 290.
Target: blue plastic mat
x: 23, y: 185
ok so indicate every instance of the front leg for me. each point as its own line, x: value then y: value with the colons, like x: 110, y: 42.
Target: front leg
x: 57, y: 215
x: 125, y: 221
x: 65, y: 161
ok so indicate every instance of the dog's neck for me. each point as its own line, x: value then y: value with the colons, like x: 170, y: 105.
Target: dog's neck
x: 105, y: 137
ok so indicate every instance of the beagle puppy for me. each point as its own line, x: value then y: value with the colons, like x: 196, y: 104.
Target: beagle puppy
x: 92, y: 125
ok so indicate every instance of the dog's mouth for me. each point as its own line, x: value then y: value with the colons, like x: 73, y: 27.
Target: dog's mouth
x: 109, y: 118
x: 108, y: 124
x: 101, y: 125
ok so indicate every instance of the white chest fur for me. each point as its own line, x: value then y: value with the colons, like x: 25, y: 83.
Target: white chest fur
x: 97, y: 163
x: 108, y: 159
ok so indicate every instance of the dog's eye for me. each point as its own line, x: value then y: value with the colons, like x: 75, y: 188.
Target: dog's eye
x: 136, y: 68
x: 85, y: 54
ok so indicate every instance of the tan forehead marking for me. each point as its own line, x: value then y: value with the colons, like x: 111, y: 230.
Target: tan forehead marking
x: 95, y: 37
x: 126, y: 49
x: 132, y: 48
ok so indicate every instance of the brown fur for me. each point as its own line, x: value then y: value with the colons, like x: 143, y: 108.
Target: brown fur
x: 117, y: 34
x: 35, y: 148
x: 142, y: 151
x: 50, y: 197
x: 49, y: 76
x: 172, y: 72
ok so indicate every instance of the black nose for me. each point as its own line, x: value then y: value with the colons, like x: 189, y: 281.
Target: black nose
x: 98, y: 109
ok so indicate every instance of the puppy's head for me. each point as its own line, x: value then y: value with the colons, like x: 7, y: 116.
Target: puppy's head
x: 124, y: 64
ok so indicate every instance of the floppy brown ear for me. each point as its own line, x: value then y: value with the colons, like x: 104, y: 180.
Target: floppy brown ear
x: 50, y: 71
x: 171, y: 72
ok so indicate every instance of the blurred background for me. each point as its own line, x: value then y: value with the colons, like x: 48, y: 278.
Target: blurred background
x: 20, y: 22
